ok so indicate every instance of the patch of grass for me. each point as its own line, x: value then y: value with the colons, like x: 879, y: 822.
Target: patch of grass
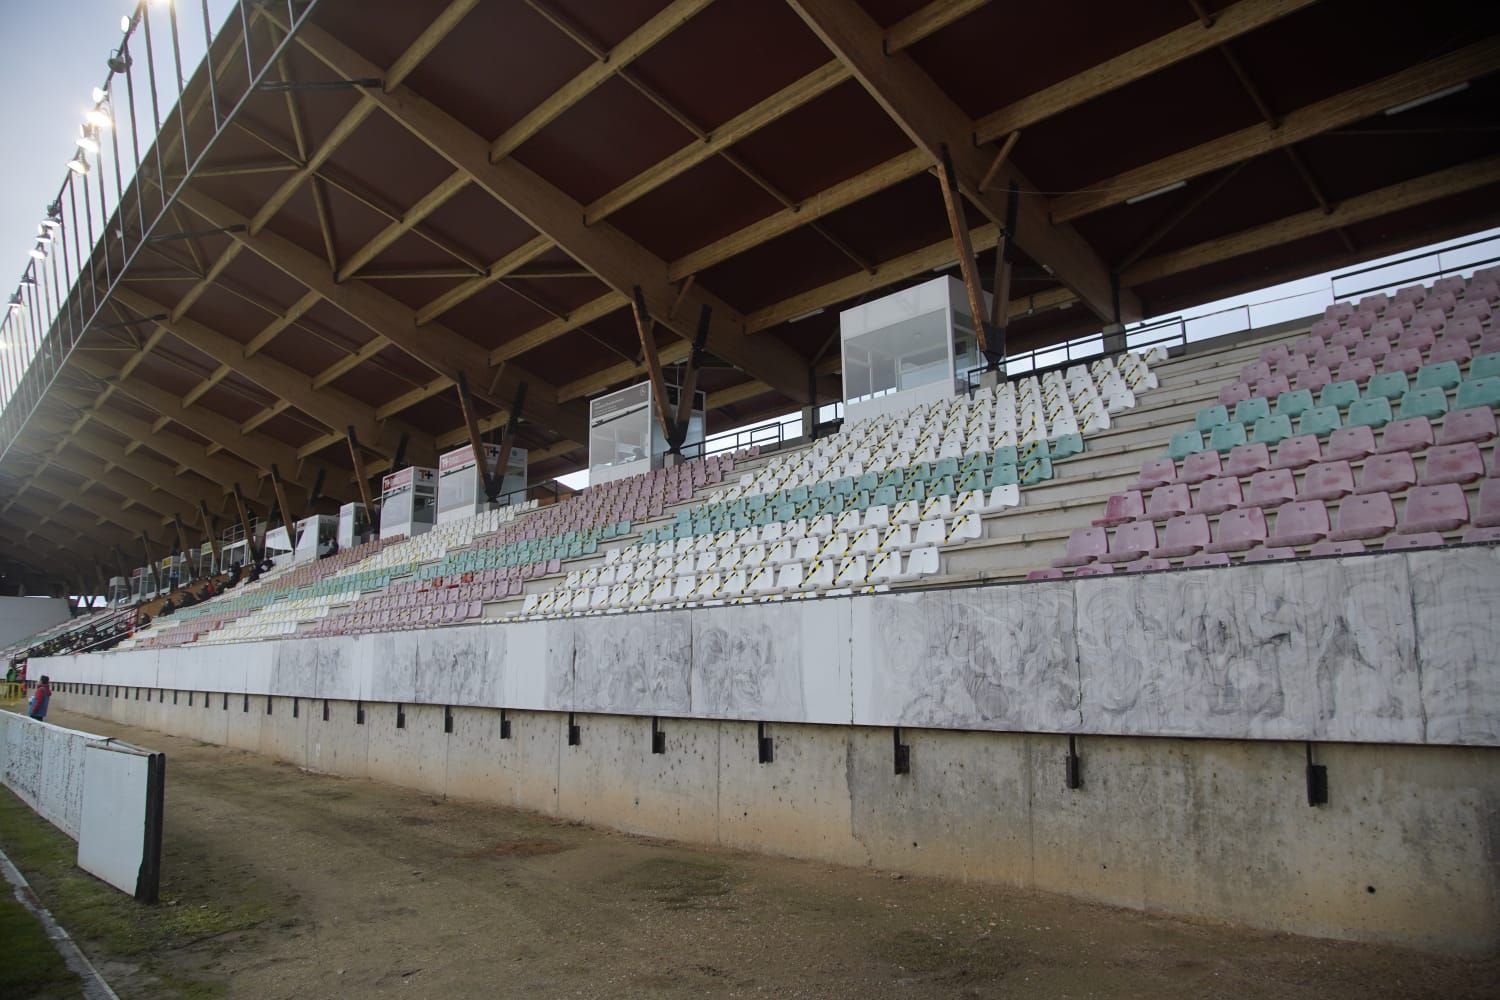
x: 946, y: 957
x: 682, y: 883
x: 107, y: 922
x: 31, y: 967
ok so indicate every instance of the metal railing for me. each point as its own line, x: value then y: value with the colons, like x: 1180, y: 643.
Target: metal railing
x: 120, y: 185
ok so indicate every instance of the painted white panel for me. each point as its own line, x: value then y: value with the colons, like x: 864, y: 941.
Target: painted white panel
x: 112, y: 827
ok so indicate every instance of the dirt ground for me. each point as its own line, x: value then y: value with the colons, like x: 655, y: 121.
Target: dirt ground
x: 327, y: 886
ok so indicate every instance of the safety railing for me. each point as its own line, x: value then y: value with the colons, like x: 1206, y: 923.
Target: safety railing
x: 148, y: 131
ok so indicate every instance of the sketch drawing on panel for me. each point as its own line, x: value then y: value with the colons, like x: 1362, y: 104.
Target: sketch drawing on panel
x: 747, y: 662
x: 984, y: 659
x: 633, y: 663
x: 452, y: 665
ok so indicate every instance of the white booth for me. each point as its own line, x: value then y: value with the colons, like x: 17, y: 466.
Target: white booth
x: 354, y: 525
x: 235, y: 550
x: 408, y: 502
x: 315, y: 536
x: 461, y: 486
x: 119, y: 592
x: 908, y: 348
x: 625, y: 437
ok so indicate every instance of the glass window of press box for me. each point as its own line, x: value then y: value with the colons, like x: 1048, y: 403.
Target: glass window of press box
x: 913, y: 338
x: 620, y: 427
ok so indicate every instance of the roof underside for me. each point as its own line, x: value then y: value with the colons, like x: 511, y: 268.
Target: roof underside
x: 748, y: 155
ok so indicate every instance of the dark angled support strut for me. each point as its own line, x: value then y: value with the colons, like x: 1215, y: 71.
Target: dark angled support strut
x: 507, y: 441
x: 990, y: 340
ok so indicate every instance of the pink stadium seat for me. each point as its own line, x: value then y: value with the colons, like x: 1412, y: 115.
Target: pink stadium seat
x: 1299, y: 523
x: 1084, y: 546
x: 1332, y: 356
x: 1373, y: 348
x: 1045, y: 574
x: 1218, y: 495
x: 1373, y: 303
x: 1416, y: 339
x: 1326, y: 327
x: 1349, y: 547
x: 1485, y: 287
x: 1489, y: 505
x: 1156, y: 472
x: 1327, y: 481
x: 1477, y: 309
x: 1094, y: 570
x: 1168, y: 501
x: 1131, y: 542
x: 1292, y: 364
x: 1407, y: 360
x: 1147, y: 565
x: 1240, y: 530
x: 1453, y: 285
x: 1355, y: 370
x: 1476, y: 424
x: 1411, y: 293
x: 1348, y: 336
x: 1313, y: 342
x: 1443, y: 298
x: 1362, y: 320
x: 1430, y: 319
x: 1200, y: 467
x: 1121, y: 508
x: 1247, y: 459
x: 1341, y: 310
x: 1234, y: 392
x: 1403, y: 311
x: 1349, y: 443
x: 1420, y: 540
x: 1270, y: 388
x: 1468, y: 327
x: 1451, y: 346
x: 1435, y: 508
x: 1389, y: 329
x: 1265, y: 553
x: 1295, y: 452
x: 1453, y: 463
x: 1390, y: 473
x: 1312, y: 379
x: 1368, y: 516
x: 1411, y: 434
x: 1481, y: 535
x: 1269, y: 488
x: 1184, y: 535
x: 1254, y: 372
x: 1274, y: 354
x: 1490, y: 342
x: 1206, y: 559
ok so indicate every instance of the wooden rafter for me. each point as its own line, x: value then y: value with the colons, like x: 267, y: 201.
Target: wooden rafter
x: 932, y: 120
x: 1343, y: 109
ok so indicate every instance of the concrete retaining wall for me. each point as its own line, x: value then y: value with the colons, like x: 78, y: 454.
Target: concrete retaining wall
x: 1403, y: 852
x: 1389, y: 648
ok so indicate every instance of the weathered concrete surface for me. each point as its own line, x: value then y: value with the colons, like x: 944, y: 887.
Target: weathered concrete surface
x: 1404, y: 851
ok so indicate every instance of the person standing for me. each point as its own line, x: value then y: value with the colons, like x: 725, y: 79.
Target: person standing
x: 41, y: 698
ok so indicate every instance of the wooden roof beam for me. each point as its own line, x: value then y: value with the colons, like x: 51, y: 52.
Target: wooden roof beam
x: 1468, y: 63
x: 932, y: 120
x: 619, y: 261
x: 1151, y: 57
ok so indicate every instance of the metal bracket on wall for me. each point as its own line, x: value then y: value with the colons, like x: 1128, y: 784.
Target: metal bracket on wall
x: 1074, y: 771
x: 1317, y: 781
x: 658, y: 738
x: 575, y: 735
x: 903, y: 752
x: 765, y: 750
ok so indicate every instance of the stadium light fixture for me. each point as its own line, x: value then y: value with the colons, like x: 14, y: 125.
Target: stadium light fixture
x: 78, y: 164
x: 53, y: 221
x: 99, y: 94
x: 1437, y: 95
x: 1152, y: 194
x: 38, y: 252
x: 43, y: 234
x: 99, y: 117
x: 88, y: 139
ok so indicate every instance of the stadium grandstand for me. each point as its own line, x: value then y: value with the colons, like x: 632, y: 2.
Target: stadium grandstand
x: 909, y: 504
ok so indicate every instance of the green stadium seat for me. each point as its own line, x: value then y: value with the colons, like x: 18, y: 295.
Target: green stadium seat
x: 1320, y: 420
x: 1034, y: 451
x: 1226, y: 437
x: 1485, y: 366
x: 1067, y: 445
x: 1004, y: 475
x: 1270, y: 430
x: 1037, y: 470
x: 1442, y: 375
x: 885, y: 496
x: 1006, y: 455
x: 1185, y: 443
x: 1292, y: 404
x: 1386, y: 385
x: 1340, y: 394
x: 1374, y: 412
x: 1210, y: 417
x: 1427, y: 403
x: 1248, y: 411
